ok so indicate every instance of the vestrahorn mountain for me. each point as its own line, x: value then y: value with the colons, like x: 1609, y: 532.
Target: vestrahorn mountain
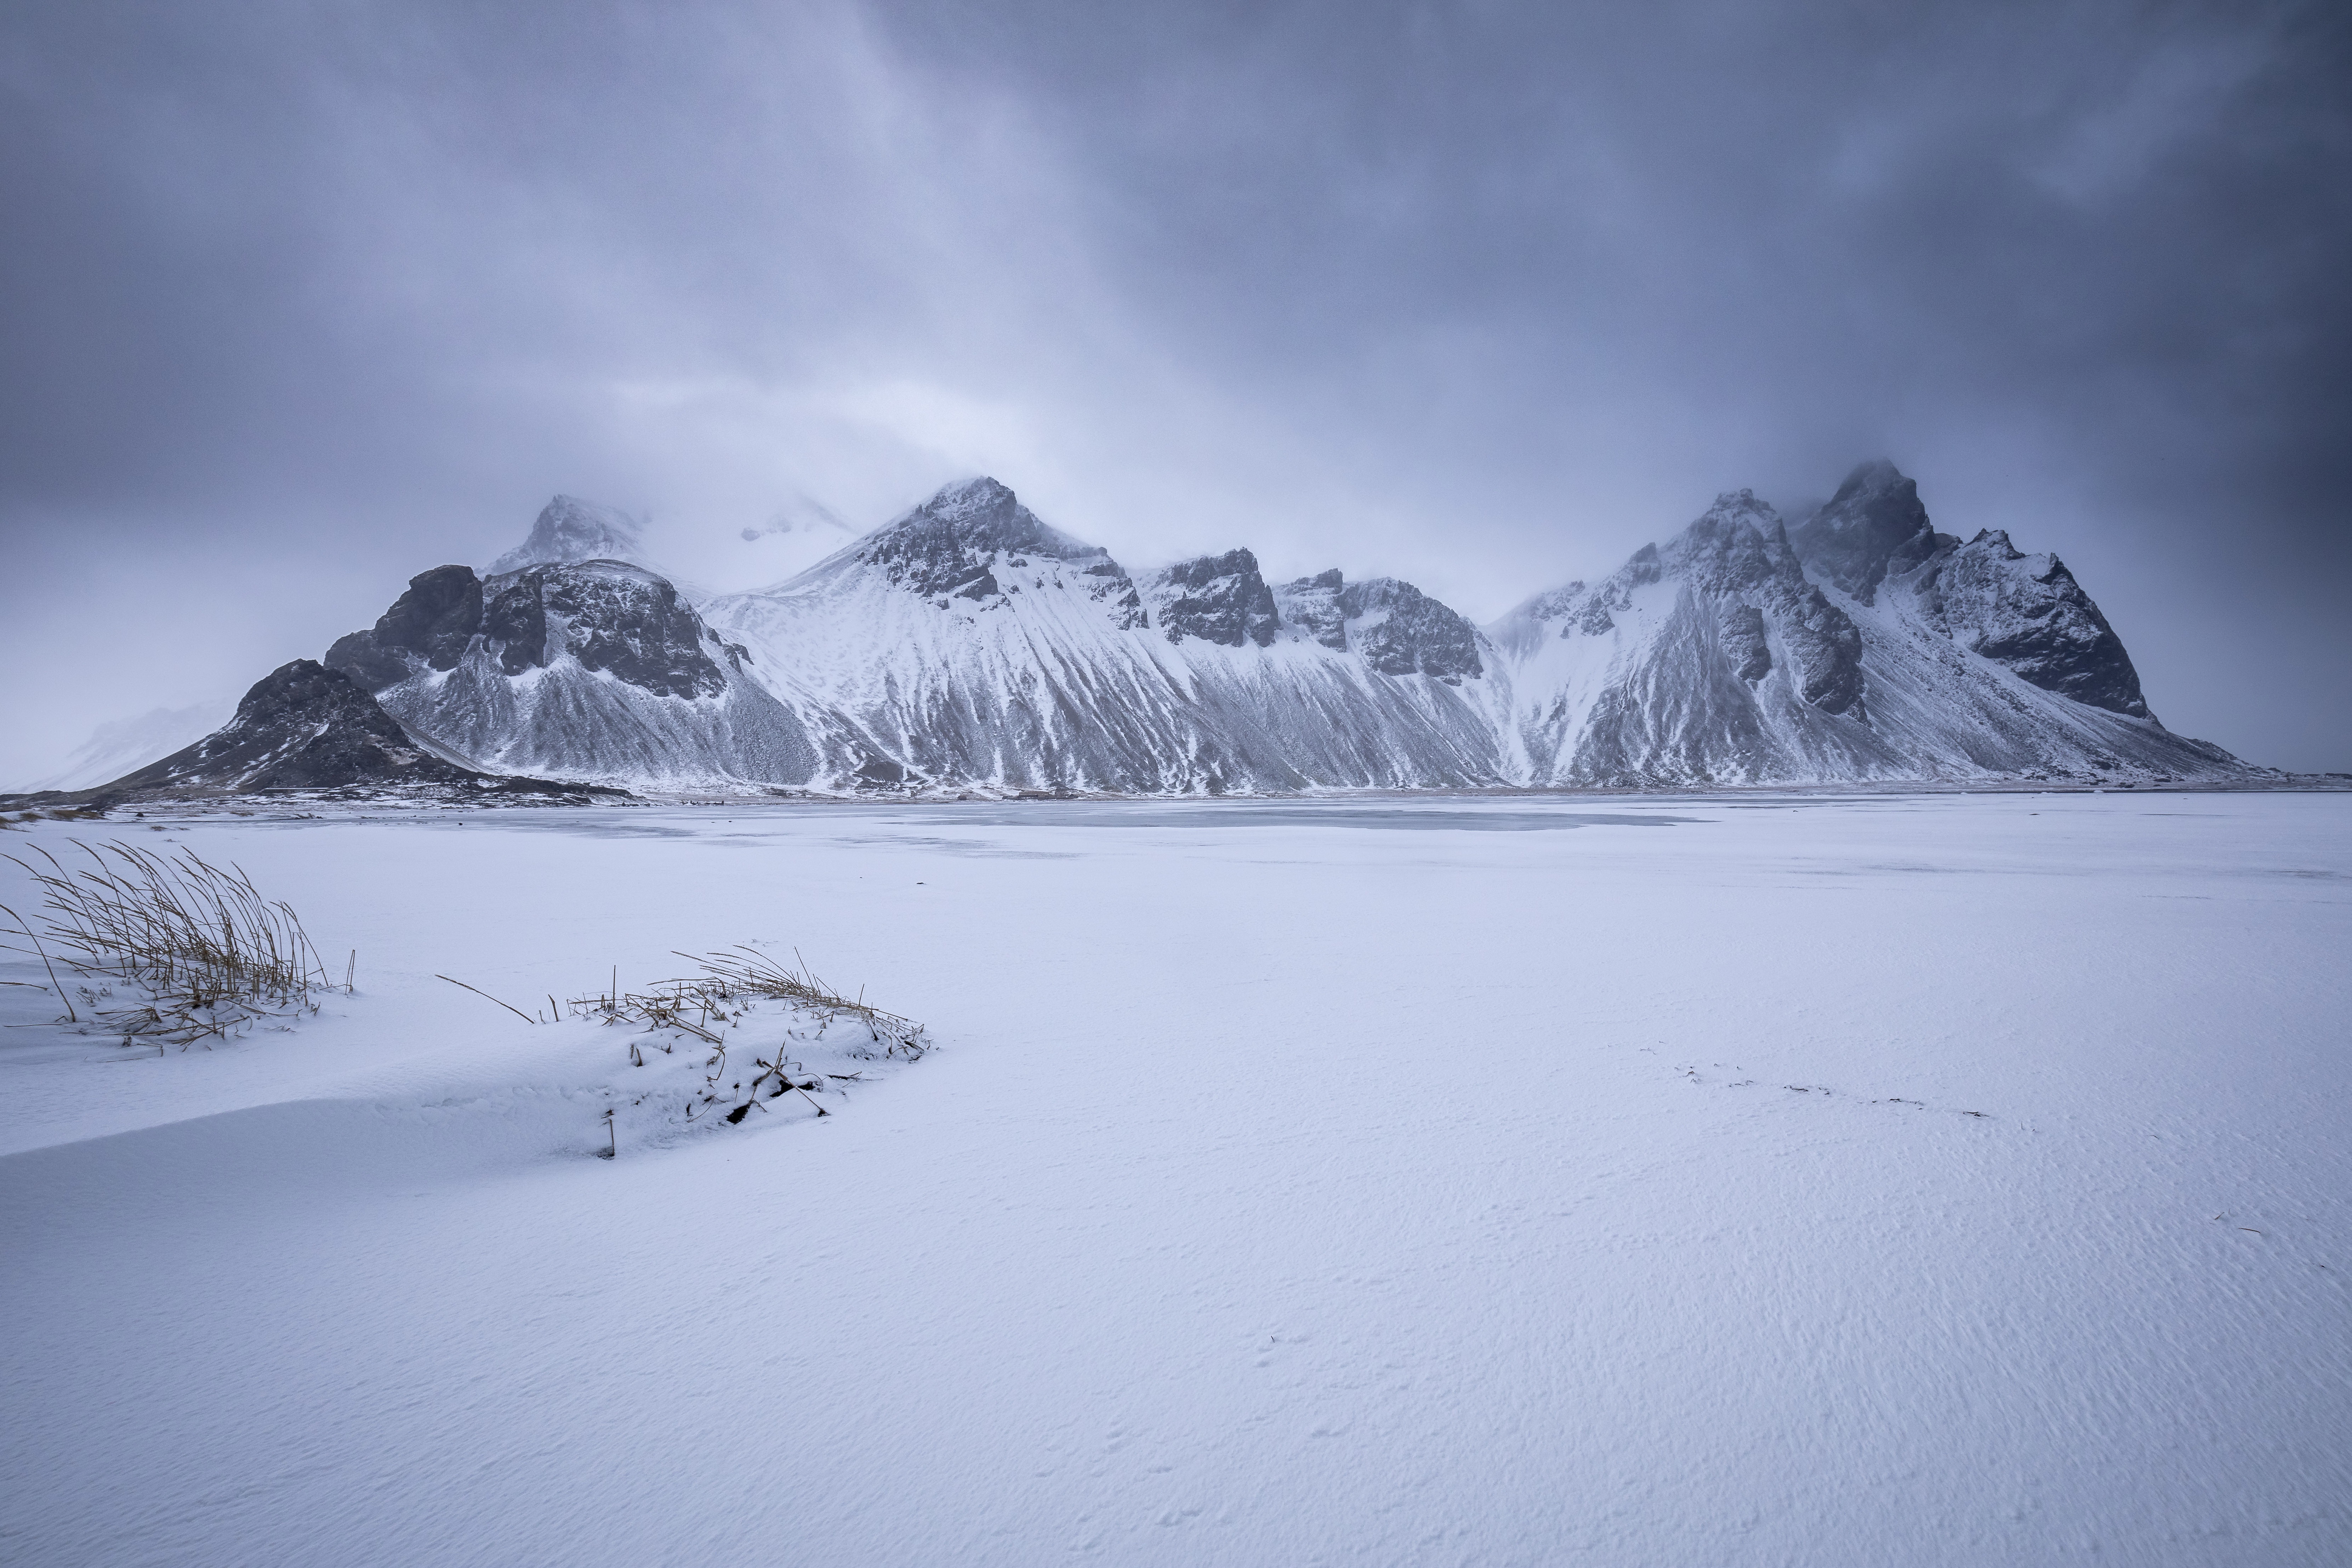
x: 967, y: 646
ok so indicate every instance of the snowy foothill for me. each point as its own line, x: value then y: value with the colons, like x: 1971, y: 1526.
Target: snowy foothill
x: 1754, y: 1178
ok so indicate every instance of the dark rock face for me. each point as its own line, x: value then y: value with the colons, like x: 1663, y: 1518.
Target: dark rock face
x: 2028, y: 612
x: 432, y: 622
x: 515, y: 623
x: 1399, y: 631
x: 1742, y: 630
x: 2023, y: 611
x: 617, y: 620
x: 1828, y: 646
x: 591, y: 669
x: 1217, y: 598
x: 1116, y: 593
x: 1740, y: 555
x: 1312, y: 604
x: 1873, y: 528
x: 949, y: 546
x: 950, y: 540
x: 302, y: 726
x: 1396, y: 628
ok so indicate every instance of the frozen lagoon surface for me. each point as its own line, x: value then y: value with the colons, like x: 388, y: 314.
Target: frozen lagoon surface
x: 1445, y: 1182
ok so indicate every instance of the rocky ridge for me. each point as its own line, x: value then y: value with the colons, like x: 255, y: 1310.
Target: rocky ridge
x: 592, y: 668
x: 1218, y: 598
x: 1396, y: 627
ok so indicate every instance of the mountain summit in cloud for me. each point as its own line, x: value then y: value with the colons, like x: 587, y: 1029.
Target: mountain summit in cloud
x: 569, y: 528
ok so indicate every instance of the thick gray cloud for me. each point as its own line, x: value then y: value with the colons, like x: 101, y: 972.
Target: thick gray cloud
x: 300, y: 300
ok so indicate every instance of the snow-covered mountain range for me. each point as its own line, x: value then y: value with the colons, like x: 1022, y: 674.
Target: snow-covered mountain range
x: 968, y: 643
x: 967, y: 646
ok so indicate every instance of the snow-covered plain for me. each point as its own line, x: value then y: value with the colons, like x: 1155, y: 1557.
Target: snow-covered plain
x: 1504, y: 1180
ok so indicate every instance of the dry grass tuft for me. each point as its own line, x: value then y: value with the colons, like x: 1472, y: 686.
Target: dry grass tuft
x: 703, y: 1006
x: 210, y: 953
x: 732, y: 980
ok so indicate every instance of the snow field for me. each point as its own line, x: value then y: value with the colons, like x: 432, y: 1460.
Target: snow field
x: 1432, y: 1181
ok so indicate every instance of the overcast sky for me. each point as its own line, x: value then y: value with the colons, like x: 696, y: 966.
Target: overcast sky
x: 297, y: 300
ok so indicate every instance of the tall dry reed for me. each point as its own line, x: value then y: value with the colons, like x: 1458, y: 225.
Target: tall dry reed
x: 211, y: 953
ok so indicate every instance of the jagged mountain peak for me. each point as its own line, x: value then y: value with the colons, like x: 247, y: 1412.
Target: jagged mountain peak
x: 979, y: 513
x: 2025, y: 612
x: 609, y: 616
x: 1393, y: 626
x: 1874, y: 476
x: 1399, y: 631
x: 949, y: 544
x: 1738, y: 541
x: 1723, y: 605
x: 1874, y: 527
x: 1735, y: 508
x: 585, y: 668
x: 570, y: 529
x: 2029, y: 612
x: 981, y: 495
x: 1217, y: 598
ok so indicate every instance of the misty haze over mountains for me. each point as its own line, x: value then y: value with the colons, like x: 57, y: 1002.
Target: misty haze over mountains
x: 967, y: 645
x: 1482, y: 298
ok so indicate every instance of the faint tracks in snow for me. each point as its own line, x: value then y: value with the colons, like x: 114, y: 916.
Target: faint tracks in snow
x: 1689, y: 1073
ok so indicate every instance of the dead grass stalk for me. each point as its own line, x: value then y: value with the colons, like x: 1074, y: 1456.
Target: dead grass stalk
x: 703, y: 1006
x: 211, y: 953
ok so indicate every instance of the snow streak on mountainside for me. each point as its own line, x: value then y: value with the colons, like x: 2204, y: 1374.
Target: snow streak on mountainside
x: 971, y: 643
x: 593, y: 670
